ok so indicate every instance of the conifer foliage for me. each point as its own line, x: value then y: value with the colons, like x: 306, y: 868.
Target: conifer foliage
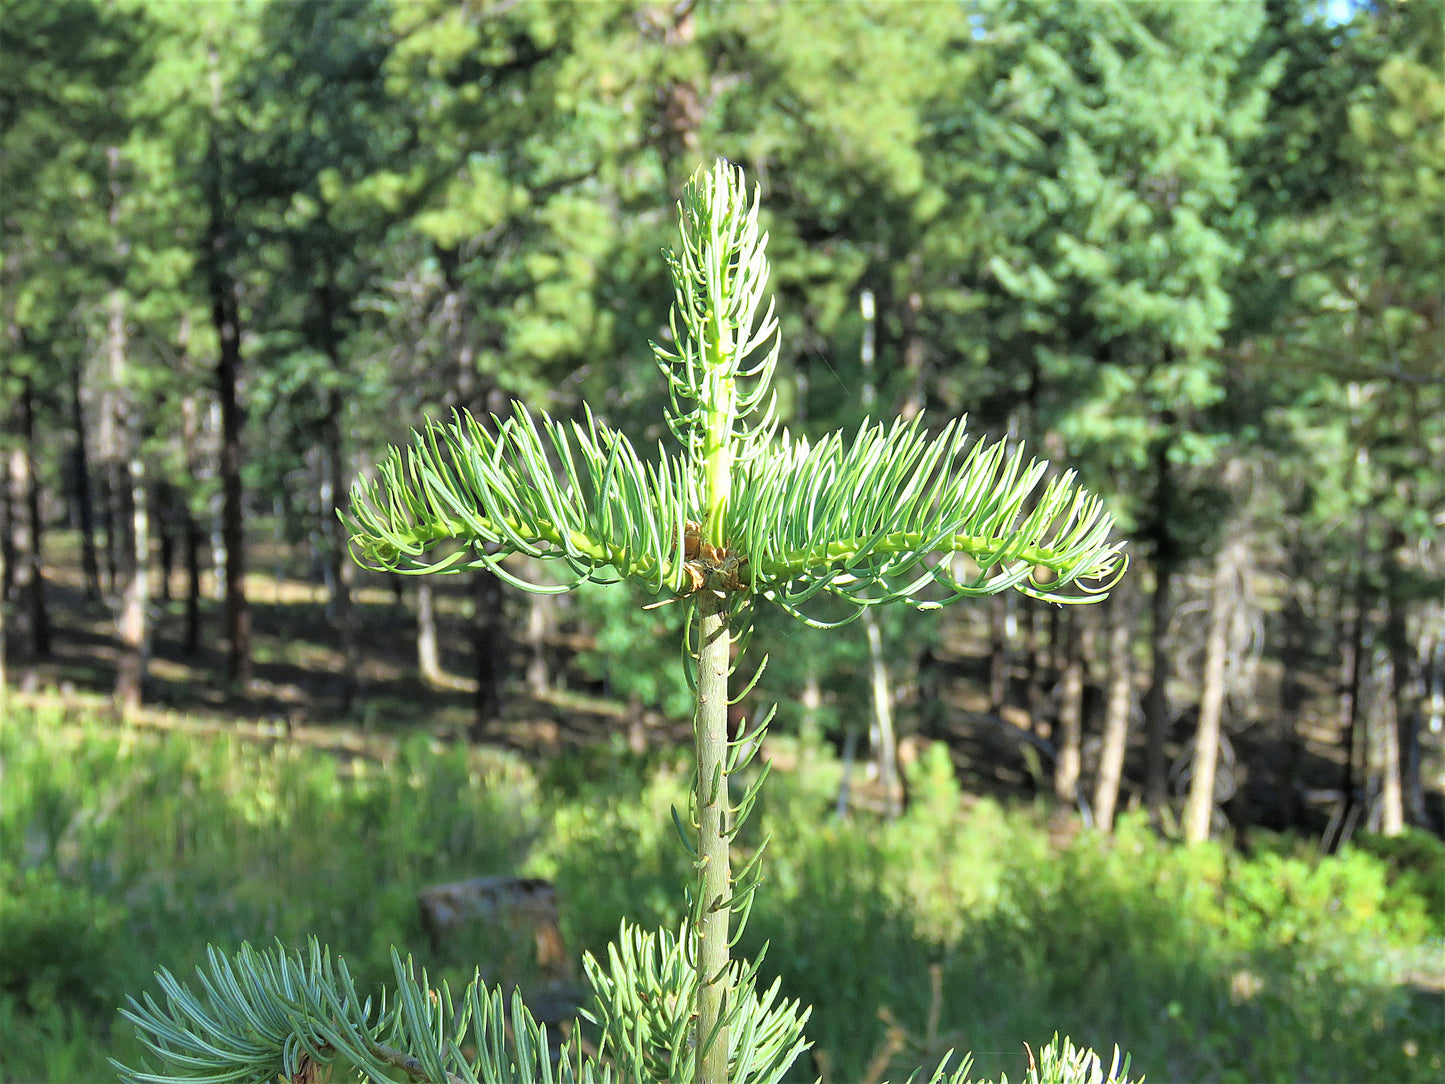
x: 742, y: 514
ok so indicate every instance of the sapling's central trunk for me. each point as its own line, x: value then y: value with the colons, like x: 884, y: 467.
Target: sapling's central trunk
x: 715, y: 882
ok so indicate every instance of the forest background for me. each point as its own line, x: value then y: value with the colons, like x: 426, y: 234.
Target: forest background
x: 1192, y: 249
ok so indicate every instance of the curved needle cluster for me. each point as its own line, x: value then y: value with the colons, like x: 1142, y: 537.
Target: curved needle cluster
x: 899, y: 514
x: 463, y: 496
x: 879, y: 518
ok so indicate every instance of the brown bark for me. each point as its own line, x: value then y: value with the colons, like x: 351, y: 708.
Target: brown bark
x: 84, y: 502
x: 225, y: 317
x: 1116, y: 717
x: 489, y: 653
x: 195, y: 538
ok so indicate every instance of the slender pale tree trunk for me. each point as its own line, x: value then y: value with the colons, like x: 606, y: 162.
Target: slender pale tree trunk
x: 998, y: 653
x: 28, y: 531
x: 134, y: 599
x: 339, y: 569
x: 7, y: 532
x: 1396, y: 732
x: 428, y: 653
x: 713, y: 660
x: 1352, y: 716
x: 885, y: 746
x: 1116, y: 718
x: 540, y: 622
x: 128, y: 478
x: 1070, y: 737
x: 1199, y: 808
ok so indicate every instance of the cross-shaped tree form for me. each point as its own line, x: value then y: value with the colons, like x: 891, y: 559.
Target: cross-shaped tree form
x: 746, y: 512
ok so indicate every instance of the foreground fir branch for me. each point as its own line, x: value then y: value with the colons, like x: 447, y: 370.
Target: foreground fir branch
x: 743, y: 513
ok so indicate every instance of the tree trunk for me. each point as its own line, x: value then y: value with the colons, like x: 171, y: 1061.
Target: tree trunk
x: 885, y: 744
x: 28, y: 531
x: 539, y: 623
x: 195, y: 539
x: 998, y: 653
x: 712, y: 906
x: 1291, y: 697
x: 7, y: 532
x: 1068, y: 741
x: 110, y: 529
x: 489, y: 653
x: 1356, y: 757
x: 339, y: 568
x: 164, y: 527
x: 134, y: 599
x: 4, y: 630
x: 1116, y: 717
x: 128, y: 478
x: 84, y: 503
x: 428, y: 655
x: 225, y: 317
x: 1395, y: 731
x: 1156, y: 700
x: 1199, y: 809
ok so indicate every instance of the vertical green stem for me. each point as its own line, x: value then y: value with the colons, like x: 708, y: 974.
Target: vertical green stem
x: 715, y: 880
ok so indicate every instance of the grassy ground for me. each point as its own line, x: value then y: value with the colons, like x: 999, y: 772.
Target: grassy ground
x: 960, y: 924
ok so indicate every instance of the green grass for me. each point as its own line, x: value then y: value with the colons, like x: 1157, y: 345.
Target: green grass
x: 123, y: 851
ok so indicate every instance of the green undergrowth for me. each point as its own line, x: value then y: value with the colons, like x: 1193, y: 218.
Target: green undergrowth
x: 961, y: 924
